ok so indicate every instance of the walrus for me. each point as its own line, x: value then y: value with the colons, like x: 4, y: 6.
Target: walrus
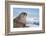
x: 20, y: 20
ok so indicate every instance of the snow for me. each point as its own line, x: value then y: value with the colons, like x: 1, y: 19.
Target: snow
x: 30, y: 21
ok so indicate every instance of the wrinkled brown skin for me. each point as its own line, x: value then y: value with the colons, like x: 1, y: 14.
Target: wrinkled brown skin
x: 20, y: 21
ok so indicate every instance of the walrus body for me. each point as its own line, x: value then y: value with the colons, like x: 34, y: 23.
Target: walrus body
x: 20, y: 21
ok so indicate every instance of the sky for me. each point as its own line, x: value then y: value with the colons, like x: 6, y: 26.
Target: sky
x: 29, y: 11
